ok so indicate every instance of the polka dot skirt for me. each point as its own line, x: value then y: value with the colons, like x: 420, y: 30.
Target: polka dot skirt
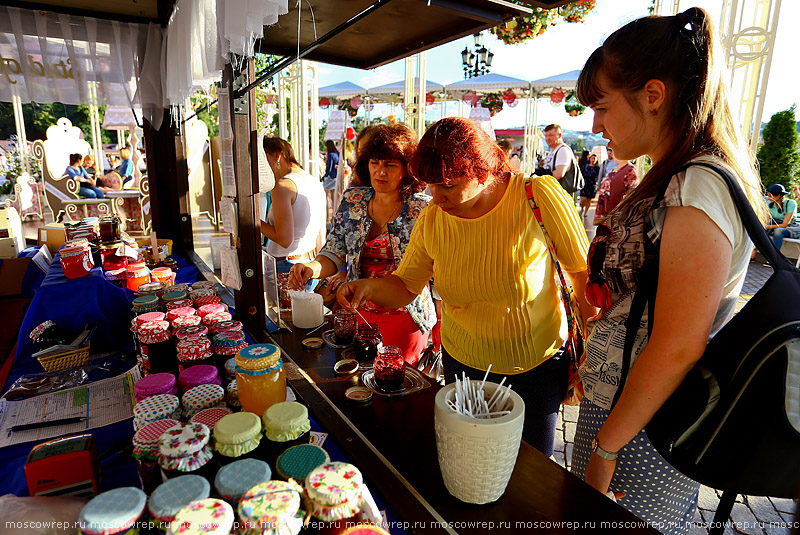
x: 654, y: 490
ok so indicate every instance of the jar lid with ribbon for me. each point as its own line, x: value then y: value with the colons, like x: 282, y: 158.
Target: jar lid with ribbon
x: 273, y: 505
x: 237, y: 434
x: 258, y: 357
x: 158, y: 407
x: 174, y: 494
x: 335, y: 483
x: 113, y: 511
x: 236, y: 478
x: 203, y: 517
x: 154, y: 332
x: 146, y: 440
x: 286, y: 421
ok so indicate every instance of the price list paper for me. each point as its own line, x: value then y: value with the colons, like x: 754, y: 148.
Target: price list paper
x: 103, y: 402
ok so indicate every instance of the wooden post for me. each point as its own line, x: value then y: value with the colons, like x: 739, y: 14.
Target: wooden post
x: 250, y: 299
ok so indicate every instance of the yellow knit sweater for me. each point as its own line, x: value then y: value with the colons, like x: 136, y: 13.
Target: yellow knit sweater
x: 495, y: 277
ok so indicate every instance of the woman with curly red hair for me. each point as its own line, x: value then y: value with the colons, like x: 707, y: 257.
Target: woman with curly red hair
x: 481, y: 243
x: 371, y: 230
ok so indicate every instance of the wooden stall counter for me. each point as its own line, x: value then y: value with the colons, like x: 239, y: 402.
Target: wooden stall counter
x: 391, y: 439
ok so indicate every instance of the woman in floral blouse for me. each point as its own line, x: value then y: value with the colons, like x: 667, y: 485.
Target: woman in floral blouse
x: 371, y: 231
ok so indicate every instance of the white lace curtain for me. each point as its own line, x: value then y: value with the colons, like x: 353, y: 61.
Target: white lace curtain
x: 48, y: 57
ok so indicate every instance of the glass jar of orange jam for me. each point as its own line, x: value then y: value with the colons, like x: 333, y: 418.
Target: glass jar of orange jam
x: 260, y: 378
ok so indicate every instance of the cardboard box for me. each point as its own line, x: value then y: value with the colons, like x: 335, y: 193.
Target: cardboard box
x: 8, y: 249
x: 12, y: 241
x: 54, y: 235
x: 12, y: 272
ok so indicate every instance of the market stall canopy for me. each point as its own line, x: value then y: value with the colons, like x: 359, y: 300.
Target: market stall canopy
x: 565, y: 81
x: 393, y: 29
x: 342, y: 90
x: 488, y: 83
x: 118, y: 117
x: 393, y: 92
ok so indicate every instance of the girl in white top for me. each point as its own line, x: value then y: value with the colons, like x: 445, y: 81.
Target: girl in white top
x: 295, y: 224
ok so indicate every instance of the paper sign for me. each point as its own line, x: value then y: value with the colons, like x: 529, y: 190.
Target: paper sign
x: 228, y: 209
x: 229, y: 265
x: 317, y: 438
x: 266, y: 178
x: 43, y: 259
x: 226, y: 143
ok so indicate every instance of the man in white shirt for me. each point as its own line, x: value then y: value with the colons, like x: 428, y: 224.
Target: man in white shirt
x: 558, y: 159
x: 606, y: 167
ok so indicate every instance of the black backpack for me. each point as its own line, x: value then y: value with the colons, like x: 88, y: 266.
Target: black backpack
x: 734, y: 422
x: 572, y: 180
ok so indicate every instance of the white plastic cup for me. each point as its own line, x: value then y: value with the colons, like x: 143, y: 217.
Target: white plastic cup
x: 307, y: 309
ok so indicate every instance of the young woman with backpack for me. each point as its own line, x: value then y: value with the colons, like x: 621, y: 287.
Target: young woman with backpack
x: 656, y: 88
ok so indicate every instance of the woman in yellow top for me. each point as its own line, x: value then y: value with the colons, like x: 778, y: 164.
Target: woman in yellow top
x: 480, y: 241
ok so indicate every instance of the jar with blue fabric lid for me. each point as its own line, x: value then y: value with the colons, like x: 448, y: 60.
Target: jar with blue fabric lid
x: 175, y: 494
x: 260, y: 378
x: 236, y: 478
x: 238, y: 436
x: 113, y: 512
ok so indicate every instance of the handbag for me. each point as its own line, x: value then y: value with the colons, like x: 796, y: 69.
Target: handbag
x: 734, y: 421
x: 574, y: 347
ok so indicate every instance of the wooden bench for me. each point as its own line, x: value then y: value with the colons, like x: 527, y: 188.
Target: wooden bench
x: 794, y: 246
x: 61, y: 191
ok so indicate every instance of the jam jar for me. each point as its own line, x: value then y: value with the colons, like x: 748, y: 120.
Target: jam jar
x: 366, y: 343
x: 156, y: 346
x: 389, y: 369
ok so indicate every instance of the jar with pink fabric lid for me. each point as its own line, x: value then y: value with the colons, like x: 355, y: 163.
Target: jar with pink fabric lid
x: 154, y: 384
x: 201, y: 374
x: 205, y: 310
x: 215, y: 317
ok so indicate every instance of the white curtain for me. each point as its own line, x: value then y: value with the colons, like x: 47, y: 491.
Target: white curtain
x: 241, y: 22
x: 47, y: 57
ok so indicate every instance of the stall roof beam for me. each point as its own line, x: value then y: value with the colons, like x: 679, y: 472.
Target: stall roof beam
x: 141, y: 11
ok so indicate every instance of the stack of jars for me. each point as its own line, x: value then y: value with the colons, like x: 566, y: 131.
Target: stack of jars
x: 157, y: 348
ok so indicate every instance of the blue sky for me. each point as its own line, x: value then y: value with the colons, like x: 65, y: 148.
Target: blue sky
x: 563, y: 48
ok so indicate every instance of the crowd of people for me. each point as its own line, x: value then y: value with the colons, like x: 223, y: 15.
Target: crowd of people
x: 439, y: 234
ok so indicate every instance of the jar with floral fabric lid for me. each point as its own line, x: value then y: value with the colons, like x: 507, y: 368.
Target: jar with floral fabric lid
x: 194, y: 352
x: 238, y: 436
x: 286, y: 424
x: 154, y: 340
x: 273, y: 507
x: 214, y: 317
x: 236, y: 478
x: 225, y: 344
x: 334, y: 493
x: 113, y: 512
x: 180, y: 312
x: 154, y: 384
x: 202, y: 397
x: 205, y: 310
x: 191, y: 331
x: 185, y: 321
x: 211, y: 516
x: 173, y: 495
x: 260, y: 377
x: 159, y: 407
x: 184, y: 449
x: 202, y: 374
x: 145, y: 450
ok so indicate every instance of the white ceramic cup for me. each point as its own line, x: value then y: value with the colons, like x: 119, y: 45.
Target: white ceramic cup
x: 307, y: 310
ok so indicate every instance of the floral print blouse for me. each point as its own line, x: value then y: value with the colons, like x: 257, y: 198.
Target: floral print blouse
x: 352, y: 224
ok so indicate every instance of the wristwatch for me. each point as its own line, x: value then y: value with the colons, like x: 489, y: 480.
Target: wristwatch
x: 607, y: 455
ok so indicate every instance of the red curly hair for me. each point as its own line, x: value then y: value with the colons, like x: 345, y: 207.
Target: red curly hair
x: 455, y: 149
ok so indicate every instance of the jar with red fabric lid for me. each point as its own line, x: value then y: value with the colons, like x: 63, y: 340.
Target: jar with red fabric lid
x: 223, y: 326
x: 178, y: 303
x: 185, y: 321
x: 202, y: 300
x: 149, y: 316
x: 193, y: 352
x: 154, y: 339
x: 180, y: 312
x: 76, y: 261
x: 215, y: 317
x: 205, y: 310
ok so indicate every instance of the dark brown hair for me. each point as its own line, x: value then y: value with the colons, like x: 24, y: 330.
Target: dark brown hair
x: 75, y: 158
x: 276, y: 144
x: 688, y: 61
x: 392, y: 142
x: 455, y: 148
x: 361, y: 167
x: 330, y: 146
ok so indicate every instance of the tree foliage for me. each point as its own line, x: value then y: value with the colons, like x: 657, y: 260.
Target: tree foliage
x: 778, y: 156
x: 39, y: 117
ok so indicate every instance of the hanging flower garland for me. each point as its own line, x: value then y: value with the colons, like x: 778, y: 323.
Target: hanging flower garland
x: 430, y: 98
x: 573, y: 106
x: 556, y: 96
x: 346, y: 106
x: 324, y: 102
x: 471, y: 98
x: 493, y: 102
x: 510, y: 98
x: 523, y: 29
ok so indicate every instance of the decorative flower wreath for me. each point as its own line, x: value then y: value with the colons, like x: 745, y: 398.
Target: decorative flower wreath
x: 572, y: 105
x: 522, y: 29
x: 493, y: 102
x: 347, y: 106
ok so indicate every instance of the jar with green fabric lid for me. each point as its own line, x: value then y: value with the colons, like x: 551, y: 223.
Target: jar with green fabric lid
x: 259, y: 377
x: 286, y: 424
x: 238, y: 436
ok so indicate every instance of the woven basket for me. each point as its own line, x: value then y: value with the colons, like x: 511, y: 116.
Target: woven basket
x: 67, y: 359
x: 477, y: 456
